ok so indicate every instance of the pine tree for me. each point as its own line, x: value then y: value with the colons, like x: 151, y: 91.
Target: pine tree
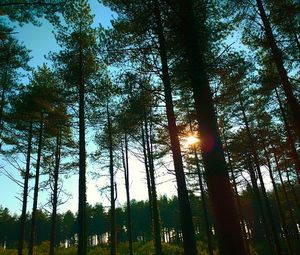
x: 226, y: 220
x: 78, y: 64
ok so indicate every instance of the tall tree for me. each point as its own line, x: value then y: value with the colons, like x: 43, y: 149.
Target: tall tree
x: 279, y: 62
x: 43, y: 96
x: 58, y: 137
x: 188, y: 232
x: 22, y: 119
x: 78, y: 64
x: 226, y: 220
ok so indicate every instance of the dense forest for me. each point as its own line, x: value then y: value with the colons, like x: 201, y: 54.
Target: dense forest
x: 203, y: 91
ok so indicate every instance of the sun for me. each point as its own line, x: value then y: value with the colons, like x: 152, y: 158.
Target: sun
x: 190, y: 140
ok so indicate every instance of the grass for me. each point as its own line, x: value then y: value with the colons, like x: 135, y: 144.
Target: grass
x: 138, y: 247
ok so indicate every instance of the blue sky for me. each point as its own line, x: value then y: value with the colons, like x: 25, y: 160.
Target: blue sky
x: 40, y: 40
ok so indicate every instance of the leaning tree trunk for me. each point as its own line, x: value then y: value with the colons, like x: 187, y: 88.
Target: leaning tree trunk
x: 289, y: 181
x: 260, y: 204
x: 278, y: 60
x: 225, y: 214
x: 113, y: 235
x: 261, y: 180
x: 289, y: 135
x: 238, y: 201
x: 55, y: 193
x: 188, y: 233
x: 36, y: 187
x: 25, y: 191
x: 288, y: 204
x: 280, y: 209
x: 126, y: 175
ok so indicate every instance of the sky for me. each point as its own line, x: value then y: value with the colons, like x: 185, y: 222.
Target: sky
x: 40, y: 40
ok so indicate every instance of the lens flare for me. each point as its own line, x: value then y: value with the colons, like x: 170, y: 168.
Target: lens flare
x: 190, y: 140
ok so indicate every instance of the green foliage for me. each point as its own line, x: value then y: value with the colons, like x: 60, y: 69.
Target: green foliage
x: 8, y: 251
x: 30, y: 11
x: 243, y: 79
x: 138, y: 247
x: 68, y: 251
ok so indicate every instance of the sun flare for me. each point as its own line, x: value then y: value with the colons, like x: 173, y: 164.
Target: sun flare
x: 191, y: 140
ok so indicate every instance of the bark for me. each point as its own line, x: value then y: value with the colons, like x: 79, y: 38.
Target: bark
x: 82, y: 235
x: 295, y: 194
x: 289, y: 206
x: 278, y: 60
x: 280, y: 209
x: 225, y: 214
x: 126, y: 175
x: 260, y: 204
x: 36, y: 187
x: 55, y: 194
x: 147, y: 175
x: 3, y: 102
x: 203, y: 199
x: 239, y: 206
x: 257, y: 165
x: 189, y: 240
x: 289, y: 135
x: 3, y: 92
x: 204, y: 206
x: 113, y: 236
x: 25, y: 192
x: 154, y: 209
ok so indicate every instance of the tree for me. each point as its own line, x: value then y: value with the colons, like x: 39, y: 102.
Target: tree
x: 59, y: 130
x: 278, y: 60
x: 14, y: 56
x: 226, y: 220
x: 78, y: 64
x: 29, y: 11
x: 42, y: 96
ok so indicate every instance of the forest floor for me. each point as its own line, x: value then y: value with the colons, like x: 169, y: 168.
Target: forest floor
x: 139, y: 249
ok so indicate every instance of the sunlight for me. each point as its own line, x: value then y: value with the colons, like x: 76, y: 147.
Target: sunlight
x: 190, y: 140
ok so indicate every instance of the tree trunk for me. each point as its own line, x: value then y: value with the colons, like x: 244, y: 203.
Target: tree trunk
x: 36, y: 187
x: 295, y: 194
x: 3, y: 97
x: 278, y: 60
x: 289, y: 206
x: 25, y: 191
x: 289, y: 135
x: 3, y: 92
x: 126, y: 175
x: 257, y: 165
x: 204, y: 206
x: 239, y: 207
x: 225, y: 214
x: 260, y: 204
x: 82, y: 235
x: 203, y: 199
x: 281, y: 213
x: 189, y: 240
x: 113, y: 236
x: 154, y: 209
x: 55, y: 194
x: 147, y: 175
